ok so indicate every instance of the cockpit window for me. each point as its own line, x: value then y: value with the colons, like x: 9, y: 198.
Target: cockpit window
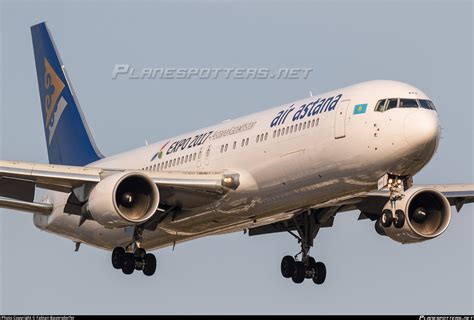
x: 408, y: 103
x: 391, y: 103
x: 387, y: 104
x: 380, y: 105
x: 427, y: 104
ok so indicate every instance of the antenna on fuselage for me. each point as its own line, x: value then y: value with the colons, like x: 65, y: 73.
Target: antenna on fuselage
x: 310, y: 93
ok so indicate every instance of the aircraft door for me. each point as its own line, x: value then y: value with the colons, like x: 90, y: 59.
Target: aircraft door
x: 199, y: 158
x: 207, y: 155
x: 340, y: 121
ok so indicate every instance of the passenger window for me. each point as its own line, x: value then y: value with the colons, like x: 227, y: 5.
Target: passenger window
x: 225, y: 150
x: 235, y: 144
x: 222, y: 148
x: 408, y: 103
x: 194, y: 156
x: 317, y: 122
x: 266, y: 136
x: 247, y: 142
x: 287, y: 130
x: 380, y: 105
x: 391, y: 103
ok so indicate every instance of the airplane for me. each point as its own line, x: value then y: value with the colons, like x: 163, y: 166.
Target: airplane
x: 288, y: 169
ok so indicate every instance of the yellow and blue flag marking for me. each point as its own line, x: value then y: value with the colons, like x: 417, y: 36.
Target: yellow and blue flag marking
x: 360, y: 108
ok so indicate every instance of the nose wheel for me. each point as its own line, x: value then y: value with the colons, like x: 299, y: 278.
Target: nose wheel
x: 305, y: 267
x: 388, y: 218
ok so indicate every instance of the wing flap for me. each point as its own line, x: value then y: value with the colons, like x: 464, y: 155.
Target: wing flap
x: 18, y: 189
x: 50, y: 176
x: 33, y: 207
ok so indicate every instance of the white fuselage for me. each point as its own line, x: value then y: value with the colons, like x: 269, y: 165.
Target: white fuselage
x: 291, y: 157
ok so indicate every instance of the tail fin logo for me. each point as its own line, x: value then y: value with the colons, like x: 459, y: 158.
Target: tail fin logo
x: 54, y: 103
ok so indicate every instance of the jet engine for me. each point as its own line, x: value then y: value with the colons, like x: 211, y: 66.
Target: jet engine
x: 422, y: 214
x: 123, y: 199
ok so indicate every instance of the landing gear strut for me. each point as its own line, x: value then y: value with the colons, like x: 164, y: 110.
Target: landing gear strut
x: 306, y: 267
x: 135, y: 257
x: 393, y: 215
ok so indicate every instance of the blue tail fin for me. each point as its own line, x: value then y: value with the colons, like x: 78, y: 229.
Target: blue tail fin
x: 68, y: 138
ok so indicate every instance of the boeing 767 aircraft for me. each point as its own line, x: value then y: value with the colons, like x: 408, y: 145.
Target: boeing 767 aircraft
x: 287, y: 169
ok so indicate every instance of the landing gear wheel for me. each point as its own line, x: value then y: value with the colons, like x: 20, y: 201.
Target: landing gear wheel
x: 386, y: 218
x: 379, y: 227
x: 320, y: 273
x: 399, y: 219
x: 150, y: 264
x: 300, y: 272
x: 312, y: 263
x: 128, y: 263
x: 118, y: 255
x: 288, y: 266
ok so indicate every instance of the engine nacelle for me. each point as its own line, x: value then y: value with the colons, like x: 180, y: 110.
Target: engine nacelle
x: 123, y: 199
x: 427, y: 215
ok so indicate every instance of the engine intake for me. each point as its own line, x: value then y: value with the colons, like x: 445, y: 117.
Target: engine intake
x: 123, y: 199
x: 427, y: 215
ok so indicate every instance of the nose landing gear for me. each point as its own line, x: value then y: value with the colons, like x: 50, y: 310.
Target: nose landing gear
x: 393, y: 216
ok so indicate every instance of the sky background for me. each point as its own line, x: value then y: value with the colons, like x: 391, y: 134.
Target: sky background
x: 427, y: 44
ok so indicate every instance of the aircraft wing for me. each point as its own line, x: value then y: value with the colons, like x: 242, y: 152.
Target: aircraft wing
x: 18, y: 181
x: 457, y: 194
x: 369, y: 205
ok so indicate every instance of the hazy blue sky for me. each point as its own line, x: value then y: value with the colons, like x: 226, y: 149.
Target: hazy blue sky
x: 426, y: 44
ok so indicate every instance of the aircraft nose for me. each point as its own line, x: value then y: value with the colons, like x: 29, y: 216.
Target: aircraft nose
x: 422, y: 128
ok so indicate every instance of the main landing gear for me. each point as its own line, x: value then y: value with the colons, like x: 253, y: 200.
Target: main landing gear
x: 307, y: 267
x: 134, y: 258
